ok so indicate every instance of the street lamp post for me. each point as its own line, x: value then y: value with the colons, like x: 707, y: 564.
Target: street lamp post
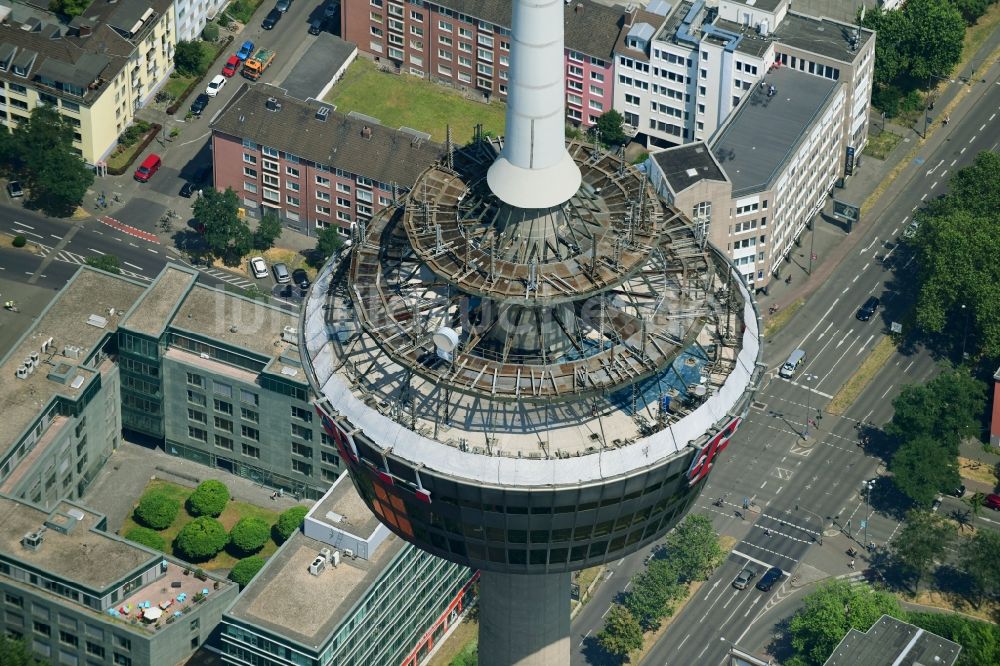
x: 820, y: 520
x: 805, y: 379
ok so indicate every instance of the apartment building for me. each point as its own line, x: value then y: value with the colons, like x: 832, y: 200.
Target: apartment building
x: 192, y: 15
x: 344, y: 591
x: 757, y: 184
x: 76, y: 593
x: 466, y: 44
x: 97, y: 70
x: 310, y: 165
x: 682, y: 69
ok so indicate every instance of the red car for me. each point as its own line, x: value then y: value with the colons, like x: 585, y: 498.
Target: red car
x: 233, y: 64
x: 993, y: 501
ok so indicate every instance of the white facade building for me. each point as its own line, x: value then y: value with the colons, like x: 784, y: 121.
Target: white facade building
x: 192, y: 15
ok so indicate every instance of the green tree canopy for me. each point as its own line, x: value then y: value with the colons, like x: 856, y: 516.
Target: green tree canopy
x: 971, y: 10
x: 187, y: 58
x: 923, y: 539
x: 653, y: 593
x: 693, y: 548
x: 922, y: 467
x: 288, y: 522
x: 328, y: 241
x: 157, y: 510
x: 106, y: 262
x: 244, y: 570
x: 611, y: 126
x: 621, y: 633
x: 14, y: 652
x: 249, y: 535
x: 227, y: 236
x: 208, y: 499
x: 830, y: 612
x: 890, y: 54
x: 147, y: 537
x: 979, y: 562
x: 201, y: 539
x: 267, y: 231
x: 69, y: 8
x: 980, y: 641
x: 947, y: 408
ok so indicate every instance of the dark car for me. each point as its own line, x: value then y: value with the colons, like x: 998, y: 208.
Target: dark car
x: 271, y: 19
x: 867, y: 310
x: 767, y: 581
x: 201, y: 180
x: 14, y: 189
x: 188, y: 189
x: 316, y: 26
x: 301, y: 278
x: 958, y: 492
x: 283, y: 5
x: 199, y: 104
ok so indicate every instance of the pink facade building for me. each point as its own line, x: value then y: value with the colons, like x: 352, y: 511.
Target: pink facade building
x: 309, y: 165
x: 466, y: 44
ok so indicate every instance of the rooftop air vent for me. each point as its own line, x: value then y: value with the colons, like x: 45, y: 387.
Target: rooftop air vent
x: 272, y: 104
x: 322, y: 113
x: 33, y: 540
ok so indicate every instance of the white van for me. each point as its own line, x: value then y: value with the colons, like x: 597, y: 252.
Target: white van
x: 795, y: 359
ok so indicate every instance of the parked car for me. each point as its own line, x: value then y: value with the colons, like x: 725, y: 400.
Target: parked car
x: 936, y: 504
x: 233, y: 64
x: 301, y: 278
x: 744, y: 577
x: 281, y: 274
x: 14, y: 189
x: 199, y: 104
x: 246, y: 50
x: 196, y: 184
x: 258, y: 267
x: 271, y: 19
x: 958, y: 492
x: 992, y: 501
x: 217, y: 83
x: 283, y: 5
x: 767, y: 581
x: 149, y: 166
x: 868, y: 309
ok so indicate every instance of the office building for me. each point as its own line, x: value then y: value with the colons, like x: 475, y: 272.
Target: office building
x: 310, y: 165
x: 192, y: 15
x: 345, y: 591
x: 466, y: 44
x: 97, y: 71
x: 683, y: 68
x: 78, y: 595
x: 530, y: 366
x: 890, y: 642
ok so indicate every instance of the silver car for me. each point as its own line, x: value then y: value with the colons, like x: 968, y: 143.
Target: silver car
x: 744, y: 577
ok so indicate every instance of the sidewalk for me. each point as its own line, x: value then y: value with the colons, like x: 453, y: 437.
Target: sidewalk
x: 829, y: 240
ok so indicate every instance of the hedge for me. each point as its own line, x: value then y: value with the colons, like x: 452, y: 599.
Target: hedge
x: 147, y: 537
x: 118, y: 171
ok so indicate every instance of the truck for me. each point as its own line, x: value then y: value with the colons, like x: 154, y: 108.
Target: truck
x: 255, y: 66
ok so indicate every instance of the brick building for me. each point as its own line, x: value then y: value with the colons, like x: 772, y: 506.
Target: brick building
x: 466, y: 43
x: 310, y: 165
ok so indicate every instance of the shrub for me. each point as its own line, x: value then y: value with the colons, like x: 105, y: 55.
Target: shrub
x: 208, y: 499
x: 157, y: 510
x: 244, y: 570
x: 201, y: 539
x: 288, y: 522
x: 211, y: 32
x: 19, y: 241
x: 146, y: 537
x: 249, y: 535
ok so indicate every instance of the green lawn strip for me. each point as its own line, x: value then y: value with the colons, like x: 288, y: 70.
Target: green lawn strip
x: 881, y: 145
x: 775, y: 322
x: 406, y: 101
x: 177, y: 85
x: 852, y: 388
x: 977, y: 34
x: 242, y: 10
x: 232, y: 514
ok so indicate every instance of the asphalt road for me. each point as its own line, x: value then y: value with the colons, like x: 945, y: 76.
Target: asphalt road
x: 772, y: 465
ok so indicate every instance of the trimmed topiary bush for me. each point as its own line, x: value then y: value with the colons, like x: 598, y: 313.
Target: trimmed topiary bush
x: 244, y: 570
x: 208, y: 499
x: 249, y: 535
x: 19, y: 241
x: 201, y: 539
x: 157, y: 510
x: 147, y: 537
x: 211, y: 32
x: 288, y: 522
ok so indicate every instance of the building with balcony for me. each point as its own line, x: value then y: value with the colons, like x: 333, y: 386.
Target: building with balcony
x: 78, y: 595
x: 192, y: 15
x: 310, y: 165
x: 97, y: 70
x: 345, y: 591
x: 466, y: 44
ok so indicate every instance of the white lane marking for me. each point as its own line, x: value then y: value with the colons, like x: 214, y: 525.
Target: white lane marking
x: 22, y: 224
x: 874, y: 240
x: 56, y: 237
x: 961, y: 151
x: 908, y: 367
x: 924, y: 196
x: 905, y: 219
x: 820, y: 336
x: 93, y: 250
x: 752, y: 559
x: 138, y: 268
x: 993, y: 116
x: 844, y: 339
x: 149, y: 249
x: 974, y: 137
x: 763, y: 484
x: 886, y: 392
x: 606, y: 612
x: 953, y: 162
x: 982, y: 127
x: 870, y: 337
x: 855, y: 278
x: 30, y: 233
x: 835, y: 301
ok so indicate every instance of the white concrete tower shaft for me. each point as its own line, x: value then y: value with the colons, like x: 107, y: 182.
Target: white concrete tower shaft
x: 534, y: 170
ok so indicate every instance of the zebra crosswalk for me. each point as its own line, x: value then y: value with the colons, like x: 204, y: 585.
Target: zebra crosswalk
x: 68, y: 257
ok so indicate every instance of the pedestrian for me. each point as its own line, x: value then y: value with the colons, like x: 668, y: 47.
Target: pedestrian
x: 851, y: 564
x: 767, y: 532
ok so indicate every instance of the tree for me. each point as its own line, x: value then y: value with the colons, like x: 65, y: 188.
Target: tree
x: 69, y: 8
x: 830, y: 612
x: 621, y: 633
x: 227, y: 236
x: 201, y: 539
x: 288, y: 522
x: 244, y: 570
x: 890, y: 55
x: 947, y: 408
x: 147, y: 537
x: 923, y: 539
x: 106, y: 262
x: 974, y: 189
x: 15, y: 652
x: 978, y: 557
x: 210, y: 32
x: 267, y: 231
x: 611, y: 128
x: 208, y: 499
x: 693, y: 548
x: 971, y: 10
x: 157, y: 510
x: 922, y: 467
x: 980, y: 641
x: 249, y: 535
x: 653, y: 592
x: 187, y: 58
x: 935, y: 36
x: 328, y: 242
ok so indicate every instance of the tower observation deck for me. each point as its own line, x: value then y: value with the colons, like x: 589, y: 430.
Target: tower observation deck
x: 530, y: 387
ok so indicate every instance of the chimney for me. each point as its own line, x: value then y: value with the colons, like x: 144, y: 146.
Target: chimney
x: 533, y: 169
x: 366, y: 132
